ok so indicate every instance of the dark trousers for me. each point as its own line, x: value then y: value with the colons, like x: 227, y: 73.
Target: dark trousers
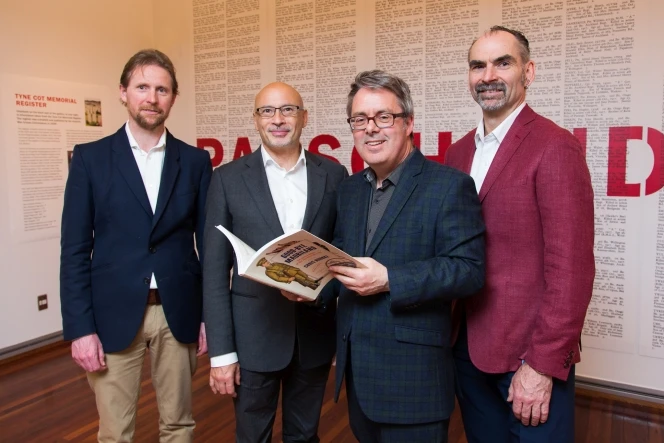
x: 368, y: 431
x: 488, y: 417
x: 302, y: 392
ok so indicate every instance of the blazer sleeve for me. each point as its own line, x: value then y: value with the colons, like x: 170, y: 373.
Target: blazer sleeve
x: 565, y: 200
x: 76, y: 243
x: 217, y: 264
x: 204, y: 185
x: 457, y: 268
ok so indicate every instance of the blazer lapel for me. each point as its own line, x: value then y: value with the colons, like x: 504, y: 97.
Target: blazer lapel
x: 255, y: 180
x: 402, y: 192
x: 508, y: 147
x: 126, y: 164
x: 316, y: 183
x: 468, y: 155
x: 169, y: 175
x: 358, y: 202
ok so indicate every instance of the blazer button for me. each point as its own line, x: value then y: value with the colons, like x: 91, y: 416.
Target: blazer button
x: 343, y: 337
x: 146, y: 280
x: 153, y: 249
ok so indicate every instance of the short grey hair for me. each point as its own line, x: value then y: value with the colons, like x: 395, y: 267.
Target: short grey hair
x: 378, y: 79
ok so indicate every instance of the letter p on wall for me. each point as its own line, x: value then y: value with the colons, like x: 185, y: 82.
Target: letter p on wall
x: 617, y: 185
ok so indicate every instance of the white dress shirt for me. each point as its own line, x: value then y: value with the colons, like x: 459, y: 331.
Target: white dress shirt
x: 150, y: 165
x: 289, y: 194
x: 487, y: 146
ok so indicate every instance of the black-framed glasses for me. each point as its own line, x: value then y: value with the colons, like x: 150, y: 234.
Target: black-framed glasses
x: 270, y: 111
x: 382, y: 120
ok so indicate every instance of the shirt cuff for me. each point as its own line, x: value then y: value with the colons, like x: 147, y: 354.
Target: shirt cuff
x: 223, y: 360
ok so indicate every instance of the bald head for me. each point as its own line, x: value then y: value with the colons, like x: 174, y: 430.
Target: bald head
x: 279, y: 117
x: 278, y: 91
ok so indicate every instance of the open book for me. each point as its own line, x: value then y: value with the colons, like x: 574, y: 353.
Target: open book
x: 295, y: 262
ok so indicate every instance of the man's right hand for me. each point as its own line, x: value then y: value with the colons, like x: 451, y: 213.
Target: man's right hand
x: 88, y: 353
x: 224, y: 378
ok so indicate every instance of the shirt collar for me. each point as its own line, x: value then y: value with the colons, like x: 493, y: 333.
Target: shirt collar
x: 268, y: 160
x: 134, y: 144
x: 501, y: 129
x: 393, y: 178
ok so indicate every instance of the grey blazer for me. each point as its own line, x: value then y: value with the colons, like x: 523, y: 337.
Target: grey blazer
x: 243, y: 316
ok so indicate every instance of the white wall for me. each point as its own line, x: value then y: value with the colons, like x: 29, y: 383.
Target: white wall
x: 69, y: 40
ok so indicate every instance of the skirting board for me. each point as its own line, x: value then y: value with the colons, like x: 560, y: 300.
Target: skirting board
x: 613, y: 388
x: 621, y: 390
x: 30, y: 345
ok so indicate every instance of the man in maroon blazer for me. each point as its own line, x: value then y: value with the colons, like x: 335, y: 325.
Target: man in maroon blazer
x: 519, y: 337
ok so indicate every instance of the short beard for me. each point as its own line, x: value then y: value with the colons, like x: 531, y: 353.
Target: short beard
x: 150, y: 125
x: 495, y: 105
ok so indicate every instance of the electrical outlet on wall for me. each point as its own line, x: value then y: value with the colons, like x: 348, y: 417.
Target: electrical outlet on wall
x: 42, y: 302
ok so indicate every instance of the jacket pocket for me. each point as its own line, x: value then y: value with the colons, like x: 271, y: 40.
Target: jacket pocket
x: 417, y: 336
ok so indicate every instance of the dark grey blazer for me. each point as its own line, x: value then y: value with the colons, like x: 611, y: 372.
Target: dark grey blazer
x: 252, y: 319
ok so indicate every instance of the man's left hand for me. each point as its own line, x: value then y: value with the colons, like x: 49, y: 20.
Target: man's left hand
x: 364, y: 281
x: 202, y: 341
x: 530, y: 394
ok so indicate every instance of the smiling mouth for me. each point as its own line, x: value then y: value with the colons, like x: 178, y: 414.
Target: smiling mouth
x: 374, y: 143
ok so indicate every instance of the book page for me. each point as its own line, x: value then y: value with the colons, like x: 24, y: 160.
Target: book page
x: 243, y: 252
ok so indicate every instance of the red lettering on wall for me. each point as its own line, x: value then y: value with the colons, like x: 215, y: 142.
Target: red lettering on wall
x: 216, y: 145
x: 444, y: 142
x: 616, y: 185
x: 242, y: 147
x: 654, y: 182
x: 321, y: 140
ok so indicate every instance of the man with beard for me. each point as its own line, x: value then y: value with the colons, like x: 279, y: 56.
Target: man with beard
x: 263, y: 342
x: 519, y: 337
x: 130, y: 278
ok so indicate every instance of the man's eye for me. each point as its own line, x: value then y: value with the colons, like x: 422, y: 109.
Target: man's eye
x: 288, y: 109
x: 359, y: 120
x: 383, y: 118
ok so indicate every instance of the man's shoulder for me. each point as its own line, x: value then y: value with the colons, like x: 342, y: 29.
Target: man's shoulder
x: 434, y: 172
x: 551, y: 135
x: 355, y: 179
x: 467, y: 140
x: 104, y: 142
x: 238, y: 165
x: 186, y: 149
x: 327, y: 164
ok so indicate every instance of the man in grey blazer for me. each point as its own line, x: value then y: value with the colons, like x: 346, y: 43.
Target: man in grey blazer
x: 258, y: 339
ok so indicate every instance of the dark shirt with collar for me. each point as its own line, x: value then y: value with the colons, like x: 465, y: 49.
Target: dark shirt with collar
x: 380, y: 197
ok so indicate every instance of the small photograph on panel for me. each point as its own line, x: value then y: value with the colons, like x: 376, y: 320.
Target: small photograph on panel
x: 92, y: 113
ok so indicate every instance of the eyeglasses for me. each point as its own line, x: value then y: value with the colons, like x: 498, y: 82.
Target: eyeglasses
x: 382, y: 120
x: 270, y: 111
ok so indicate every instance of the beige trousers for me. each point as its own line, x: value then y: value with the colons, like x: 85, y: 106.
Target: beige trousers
x: 117, y: 388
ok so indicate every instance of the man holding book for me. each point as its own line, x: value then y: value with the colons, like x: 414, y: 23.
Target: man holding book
x: 416, y: 228
x: 259, y: 340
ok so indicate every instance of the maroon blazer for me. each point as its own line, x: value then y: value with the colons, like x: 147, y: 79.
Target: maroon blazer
x: 537, y: 202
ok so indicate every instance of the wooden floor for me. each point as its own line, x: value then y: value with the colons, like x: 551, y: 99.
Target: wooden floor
x: 44, y: 397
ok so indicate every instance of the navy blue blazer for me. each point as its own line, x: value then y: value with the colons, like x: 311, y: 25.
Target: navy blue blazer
x: 112, y: 242
x: 431, y: 239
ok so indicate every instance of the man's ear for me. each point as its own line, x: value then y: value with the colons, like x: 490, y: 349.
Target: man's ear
x: 529, y: 73
x: 410, y: 124
x: 305, y: 118
x: 123, y: 95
